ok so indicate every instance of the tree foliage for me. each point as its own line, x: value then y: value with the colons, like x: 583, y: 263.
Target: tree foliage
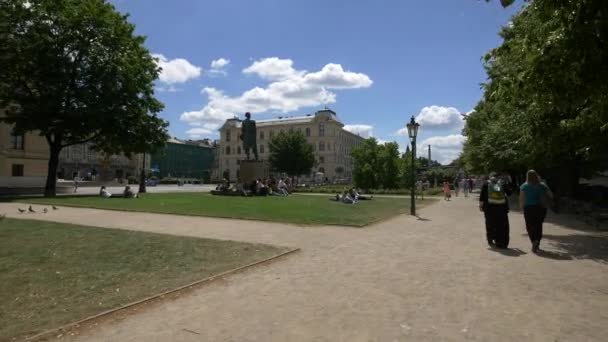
x: 380, y: 166
x: 545, y: 104
x: 291, y: 153
x: 74, y: 72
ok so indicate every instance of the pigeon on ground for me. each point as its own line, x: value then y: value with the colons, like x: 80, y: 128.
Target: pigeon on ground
x: 31, y: 210
x: 55, y: 208
x: 21, y: 210
x: 45, y: 210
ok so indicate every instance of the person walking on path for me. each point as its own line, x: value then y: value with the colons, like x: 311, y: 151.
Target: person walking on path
x: 464, y: 186
x: 447, y: 193
x: 493, y: 202
x: 533, y: 198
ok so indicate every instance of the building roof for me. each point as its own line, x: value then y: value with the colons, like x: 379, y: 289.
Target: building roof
x: 281, y: 120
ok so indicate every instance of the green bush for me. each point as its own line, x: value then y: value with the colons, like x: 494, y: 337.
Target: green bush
x: 132, y: 180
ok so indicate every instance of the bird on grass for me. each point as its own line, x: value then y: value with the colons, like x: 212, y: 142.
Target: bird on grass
x: 45, y: 210
x: 55, y: 208
x: 31, y: 210
x: 21, y: 210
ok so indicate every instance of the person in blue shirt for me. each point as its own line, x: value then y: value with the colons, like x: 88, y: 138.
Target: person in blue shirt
x: 533, y: 198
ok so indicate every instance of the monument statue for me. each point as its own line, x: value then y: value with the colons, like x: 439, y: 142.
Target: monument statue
x: 249, y: 136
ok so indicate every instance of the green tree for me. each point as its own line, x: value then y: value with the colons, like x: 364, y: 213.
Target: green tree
x: 291, y: 153
x: 388, y: 165
x: 365, y: 164
x: 545, y: 104
x: 74, y: 72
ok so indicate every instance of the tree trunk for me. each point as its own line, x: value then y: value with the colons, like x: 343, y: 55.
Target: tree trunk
x: 50, y: 189
x: 142, y: 177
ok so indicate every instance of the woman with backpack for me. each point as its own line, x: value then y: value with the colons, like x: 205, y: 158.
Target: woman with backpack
x: 533, y: 198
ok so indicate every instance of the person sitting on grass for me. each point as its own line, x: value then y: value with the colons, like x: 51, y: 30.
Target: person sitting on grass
x: 359, y: 197
x: 282, y: 187
x: 348, y: 199
x: 103, y: 192
x: 128, y: 193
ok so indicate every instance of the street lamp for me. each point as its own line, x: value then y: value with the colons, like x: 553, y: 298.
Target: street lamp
x: 412, y: 131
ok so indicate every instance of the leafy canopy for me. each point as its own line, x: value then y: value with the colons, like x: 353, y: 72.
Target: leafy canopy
x: 291, y: 153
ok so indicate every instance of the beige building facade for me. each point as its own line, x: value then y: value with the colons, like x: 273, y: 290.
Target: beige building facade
x: 23, y: 159
x: 332, y: 144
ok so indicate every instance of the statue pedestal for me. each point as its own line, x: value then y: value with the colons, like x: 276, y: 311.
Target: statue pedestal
x: 252, y: 170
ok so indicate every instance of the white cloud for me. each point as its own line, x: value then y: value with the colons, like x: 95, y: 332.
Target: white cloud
x: 218, y: 66
x: 273, y: 69
x: 289, y: 90
x: 333, y: 76
x: 176, y: 70
x: 438, y: 117
x: 364, y: 131
x: 444, y: 149
x: 203, y: 130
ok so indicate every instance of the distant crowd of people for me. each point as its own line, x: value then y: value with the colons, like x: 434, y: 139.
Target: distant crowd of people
x: 260, y: 187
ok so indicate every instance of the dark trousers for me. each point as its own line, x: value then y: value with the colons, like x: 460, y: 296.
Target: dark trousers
x: 535, y: 216
x: 497, y: 224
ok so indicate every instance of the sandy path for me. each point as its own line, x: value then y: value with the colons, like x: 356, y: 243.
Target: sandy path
x: 401, y: 280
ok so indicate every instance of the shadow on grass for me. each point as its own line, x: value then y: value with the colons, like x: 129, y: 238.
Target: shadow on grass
x: 512, y: 252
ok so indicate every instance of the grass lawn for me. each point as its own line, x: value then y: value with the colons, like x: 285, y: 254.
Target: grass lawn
x: 298, y: 209
x: 53, y: 273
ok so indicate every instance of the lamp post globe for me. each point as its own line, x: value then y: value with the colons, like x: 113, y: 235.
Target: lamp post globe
x: 412, y: 131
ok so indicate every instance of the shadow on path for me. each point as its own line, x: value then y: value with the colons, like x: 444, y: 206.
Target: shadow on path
x: 512, y: 252
x: 578, y: 246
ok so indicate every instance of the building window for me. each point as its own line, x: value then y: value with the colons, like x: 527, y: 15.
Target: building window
x: 227, y: 150
x: 321, y: 159
x: 17, y: 170
x: 261, y: 148
x: 321, y: 129
x: 261, y: 135
x: 322, y: 169
x: 321, y: 146
x: 17, y: 141
x: 227, y: 135
x: 307, y: 131
x: 238, y: 150
x: 329, y: 146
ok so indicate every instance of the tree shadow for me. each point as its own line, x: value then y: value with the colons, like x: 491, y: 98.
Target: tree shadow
x: 578, y: 246
x: 512, y: 252
x: 554, y: 255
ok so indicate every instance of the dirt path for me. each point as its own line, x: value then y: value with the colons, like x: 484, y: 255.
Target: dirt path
x: 401, y: 280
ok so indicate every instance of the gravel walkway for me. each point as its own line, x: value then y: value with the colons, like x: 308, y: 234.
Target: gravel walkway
x: 407, y: 279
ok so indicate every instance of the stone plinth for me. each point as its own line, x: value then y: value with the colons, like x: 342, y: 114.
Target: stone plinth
x: 253, y: 169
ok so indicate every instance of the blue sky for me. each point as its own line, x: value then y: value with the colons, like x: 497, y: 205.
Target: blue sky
x: 376, y: 63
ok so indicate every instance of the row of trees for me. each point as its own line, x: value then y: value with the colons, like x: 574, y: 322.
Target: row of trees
x: 383, y: 166
x: 74, y: 72
x: 545, y: 104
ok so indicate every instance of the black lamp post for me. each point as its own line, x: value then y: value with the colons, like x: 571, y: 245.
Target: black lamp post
x: 412, y: 131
